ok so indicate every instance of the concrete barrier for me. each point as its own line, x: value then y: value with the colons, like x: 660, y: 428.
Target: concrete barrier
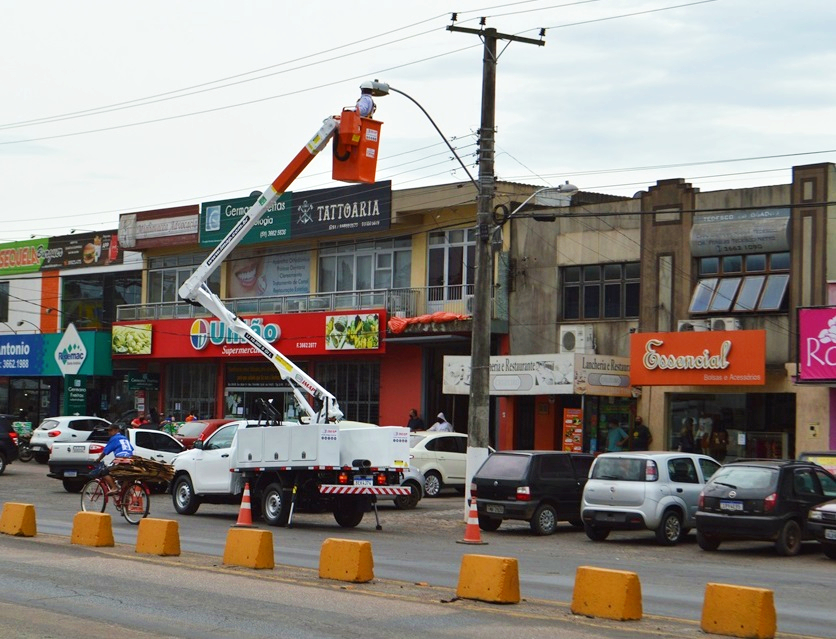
x: 610, y: 594
x: 490, y: 579
x: 158, y: 537
x: 738, y: 611
x: 346, y: 560
x: 18, y: 520
x: 92, y: 529
x: 249, y: 548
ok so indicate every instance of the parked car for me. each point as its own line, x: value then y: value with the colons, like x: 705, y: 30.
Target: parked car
x: 73, y: 428
x: 656, y: 491
x: 821, y: 523
x: 540, y: 487
x: 189, y: 432
x: 8, y: 441
x: 441, y: 456
x: 762, y: 500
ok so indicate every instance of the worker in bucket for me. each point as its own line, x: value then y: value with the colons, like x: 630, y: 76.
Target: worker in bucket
x: 365, y: 106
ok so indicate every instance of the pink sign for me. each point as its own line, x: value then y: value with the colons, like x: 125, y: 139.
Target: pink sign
x: 817, y: 344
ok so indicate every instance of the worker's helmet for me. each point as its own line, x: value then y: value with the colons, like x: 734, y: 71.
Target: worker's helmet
x: 367, y: 86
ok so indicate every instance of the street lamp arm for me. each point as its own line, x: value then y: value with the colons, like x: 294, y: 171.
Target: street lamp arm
x: 449, y: 146
x: 565, y: 189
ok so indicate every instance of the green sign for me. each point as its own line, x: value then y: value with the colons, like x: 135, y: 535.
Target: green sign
x: 218, y: 218
x: 143, y: 381
x: 75, y: 395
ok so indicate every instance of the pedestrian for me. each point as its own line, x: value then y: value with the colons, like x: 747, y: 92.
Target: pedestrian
x: 441, y: 424
x: 616, y: 436
x: 687, y: 442
x: 640, y: 437
x: 154, y: 417
x: 415, y: 422
x: 191, y: 416
x: 140, y: 421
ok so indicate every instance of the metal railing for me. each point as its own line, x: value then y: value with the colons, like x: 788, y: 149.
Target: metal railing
x: 398, y: 302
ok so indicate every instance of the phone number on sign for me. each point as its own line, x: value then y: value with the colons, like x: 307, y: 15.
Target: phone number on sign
x: 14, y: 363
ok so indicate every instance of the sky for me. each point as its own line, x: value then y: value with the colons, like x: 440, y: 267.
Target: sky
x: 114, y: 107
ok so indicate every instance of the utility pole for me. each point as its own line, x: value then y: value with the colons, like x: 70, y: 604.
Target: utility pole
x: 480, y: 350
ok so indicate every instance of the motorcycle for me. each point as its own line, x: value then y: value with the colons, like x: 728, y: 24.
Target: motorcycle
x: 24, y: 450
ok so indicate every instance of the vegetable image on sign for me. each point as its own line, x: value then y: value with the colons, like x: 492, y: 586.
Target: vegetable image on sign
x: 132, y: 339
x: 357, y: 332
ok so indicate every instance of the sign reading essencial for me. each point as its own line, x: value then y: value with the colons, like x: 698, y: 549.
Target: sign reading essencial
x: 712, y: 358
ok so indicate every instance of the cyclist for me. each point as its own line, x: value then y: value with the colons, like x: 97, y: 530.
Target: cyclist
x: 121, y: 448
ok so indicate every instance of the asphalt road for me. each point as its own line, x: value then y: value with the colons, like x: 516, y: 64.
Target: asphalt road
x: 420, y: 546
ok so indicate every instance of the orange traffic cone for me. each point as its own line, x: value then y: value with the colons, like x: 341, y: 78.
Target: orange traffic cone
x: 472, y: 534
x: 245, y: 514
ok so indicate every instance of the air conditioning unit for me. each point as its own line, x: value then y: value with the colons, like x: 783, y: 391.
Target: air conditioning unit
x: 725, y: 324
x: 692, y: 325
x: 577, y: 338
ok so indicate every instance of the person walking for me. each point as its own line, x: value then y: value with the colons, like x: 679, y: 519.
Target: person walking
x: 616, y: 436
x: 415, y: 422
x: 441, y: 424
x: 640, y: 437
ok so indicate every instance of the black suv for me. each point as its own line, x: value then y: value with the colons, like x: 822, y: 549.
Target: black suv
x: 540, y: 487
x: 764, y: 500
x: 8, y: 444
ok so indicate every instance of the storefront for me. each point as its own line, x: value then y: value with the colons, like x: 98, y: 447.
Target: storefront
x: 718, y: 379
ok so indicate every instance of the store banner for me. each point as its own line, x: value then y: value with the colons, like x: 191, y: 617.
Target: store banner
x: 603, y: 375
x: 711, y: 358
x: 43, y: 355
x: 817, y: 344
x: 573, y: 430
x: 542, y: 374
x: 292, y: 334
x: 218, y: 218
x: 360, y: 208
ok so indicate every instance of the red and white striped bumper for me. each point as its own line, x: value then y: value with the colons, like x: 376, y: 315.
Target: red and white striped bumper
x: 339, y: 489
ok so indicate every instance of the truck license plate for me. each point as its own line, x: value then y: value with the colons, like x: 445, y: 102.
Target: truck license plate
x: 70, y: 473
x: 494, y: 509
x: 731, y: 505
x: 830, y: 533
x: 363, y: 481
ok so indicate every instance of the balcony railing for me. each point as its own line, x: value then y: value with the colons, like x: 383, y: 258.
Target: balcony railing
x: 398, y: 302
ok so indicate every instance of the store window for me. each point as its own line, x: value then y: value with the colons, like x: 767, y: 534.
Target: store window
x: 356, y: 385
x: 90, y: 301
x: 742, y: 283
x: 734, y: 425
x: 191, y: 386
x: 601, y: 291
x: 451, y: 265
x: 363, y: 266
x: 166, y: 274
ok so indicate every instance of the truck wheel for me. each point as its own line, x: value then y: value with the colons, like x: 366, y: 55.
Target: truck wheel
x: 349, y: 511
x: 432, y: 484
x: 73, y: 485
x: 183, y: 497
x: 408, y: 502
x: 789, y: 539
x: 669, y: 531
x: 275, y: 509
x: 544, y: 521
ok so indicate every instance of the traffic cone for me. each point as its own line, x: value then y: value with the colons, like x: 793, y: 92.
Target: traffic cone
x: 245, y: 514
x: 472, y: 534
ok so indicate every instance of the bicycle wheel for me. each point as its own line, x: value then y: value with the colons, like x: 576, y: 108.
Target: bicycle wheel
x: 136, y: 502
x: 94, y: 497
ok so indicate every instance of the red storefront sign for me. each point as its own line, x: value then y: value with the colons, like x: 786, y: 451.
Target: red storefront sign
x: 711, y: 358
x: 292, y: 335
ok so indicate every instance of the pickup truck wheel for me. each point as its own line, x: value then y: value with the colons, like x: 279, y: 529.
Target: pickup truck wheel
x: 73, y: 485
x: 42, y: 458
x: 595, y: 533
x: 432, y: 484
x: 544, y: 521
x: 669, y: 531
x: 489, y: 524
x: 349, y: 511
x: 408, y: 502
x: 275, y: 509
x: 183, y: 497
x: 789, y: 539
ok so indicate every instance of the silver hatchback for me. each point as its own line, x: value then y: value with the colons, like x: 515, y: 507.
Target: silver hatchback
x: 656, y: 491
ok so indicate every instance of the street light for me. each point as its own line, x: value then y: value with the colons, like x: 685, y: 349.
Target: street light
x: 22, y: 322
x: 544, y: 216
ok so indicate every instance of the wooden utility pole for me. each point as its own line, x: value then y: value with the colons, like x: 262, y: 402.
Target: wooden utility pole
x: 478, y: 421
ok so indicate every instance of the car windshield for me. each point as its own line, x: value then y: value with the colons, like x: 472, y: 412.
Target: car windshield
x: 191, y: 429
x: 498, y: 466
x: 745, y: 477
x: 619, y: 468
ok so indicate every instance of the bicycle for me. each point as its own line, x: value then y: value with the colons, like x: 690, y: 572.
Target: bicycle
x: 132, y: 499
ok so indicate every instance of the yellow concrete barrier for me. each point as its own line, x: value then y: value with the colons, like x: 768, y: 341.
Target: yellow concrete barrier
x: 18, y: 520
x: 158, y: 537
x: 250, y: 548
x: 610, y: 594
x: 491, y: 579
x: 92, y: 529
x: 738, y: 611
x: 346, y: 560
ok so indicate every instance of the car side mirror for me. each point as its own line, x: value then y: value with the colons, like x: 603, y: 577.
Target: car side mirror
x: 199, y: 444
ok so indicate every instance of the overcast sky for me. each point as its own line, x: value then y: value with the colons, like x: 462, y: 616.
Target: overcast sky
x: 112, y: 107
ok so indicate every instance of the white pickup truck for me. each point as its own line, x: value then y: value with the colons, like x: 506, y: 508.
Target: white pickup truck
x: 72, y: 462
x: 294, y: 467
